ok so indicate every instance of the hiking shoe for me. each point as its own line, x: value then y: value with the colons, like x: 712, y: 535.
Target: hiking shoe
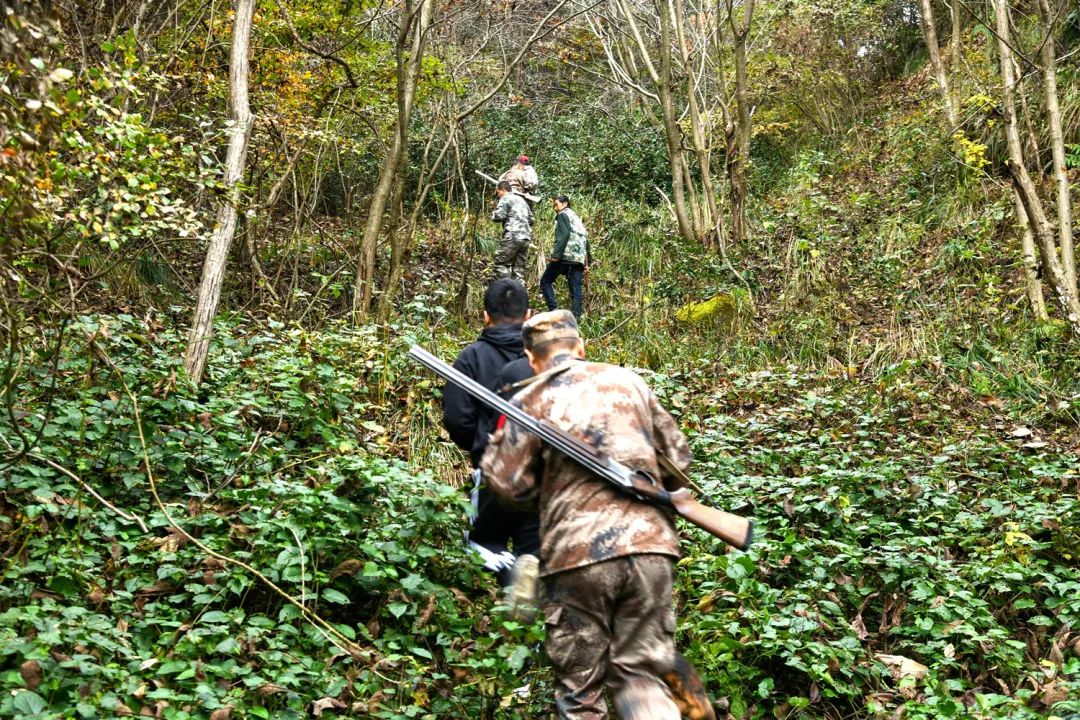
x: 521, y: 592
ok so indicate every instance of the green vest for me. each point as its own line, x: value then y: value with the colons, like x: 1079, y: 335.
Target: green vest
x: 577, y: 245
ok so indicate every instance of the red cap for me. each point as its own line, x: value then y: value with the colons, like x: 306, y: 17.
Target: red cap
x: 523, y: 159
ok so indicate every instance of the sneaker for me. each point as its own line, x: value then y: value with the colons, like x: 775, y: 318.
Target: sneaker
x: 521, y: 592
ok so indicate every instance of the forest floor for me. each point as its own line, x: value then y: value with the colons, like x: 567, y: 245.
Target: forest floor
x: 916, y: 550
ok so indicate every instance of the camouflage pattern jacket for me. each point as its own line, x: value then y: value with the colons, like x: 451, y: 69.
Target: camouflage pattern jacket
x: 522, y: 180
x: 583, y: 519
x: 515, y: 215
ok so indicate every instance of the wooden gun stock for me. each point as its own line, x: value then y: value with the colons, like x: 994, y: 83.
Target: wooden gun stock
x: 735, y: 530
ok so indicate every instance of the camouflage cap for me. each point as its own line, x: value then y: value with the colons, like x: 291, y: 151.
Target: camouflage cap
x: 547, y: 326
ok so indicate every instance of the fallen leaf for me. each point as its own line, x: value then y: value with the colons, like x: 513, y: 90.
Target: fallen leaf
x: 347, y: 567
x: 1052, y: 693
x: 222, y: 713
x: 39, y: 594
x: 1034, y: 445
x: 161, y: 586
x: 1021, y: 432
x: 902, y: 667
x: 859, y: 627
x: 318, y: 707
x: 31, y: 674
x: 952, y: 626
x: 425, y: 617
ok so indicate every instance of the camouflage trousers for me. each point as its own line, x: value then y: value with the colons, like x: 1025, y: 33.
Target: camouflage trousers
x: 511, y: 257
x: 611, y: 625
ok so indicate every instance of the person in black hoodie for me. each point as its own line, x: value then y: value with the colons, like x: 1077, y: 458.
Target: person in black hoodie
x: 470, y: 423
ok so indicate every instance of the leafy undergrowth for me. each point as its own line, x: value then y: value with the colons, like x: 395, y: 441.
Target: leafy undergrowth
x: 898, y: 527
x: 280, y: 460
x: 911, y: 553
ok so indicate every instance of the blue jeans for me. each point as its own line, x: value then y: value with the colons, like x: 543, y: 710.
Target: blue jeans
x: 575, y: 275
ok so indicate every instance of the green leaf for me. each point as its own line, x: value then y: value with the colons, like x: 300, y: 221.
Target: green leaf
x: 28, y: 702
x: 517, y: 658
x: 227, y: 646
x: 333, y: 596
x: 397, y: 609
x: 215, y: 616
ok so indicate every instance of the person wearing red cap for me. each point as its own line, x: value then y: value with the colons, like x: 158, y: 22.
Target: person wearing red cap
x: 521, y: 176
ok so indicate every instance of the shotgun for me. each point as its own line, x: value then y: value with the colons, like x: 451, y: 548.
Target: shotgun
x: 734, y: 530
x: 493, y: 181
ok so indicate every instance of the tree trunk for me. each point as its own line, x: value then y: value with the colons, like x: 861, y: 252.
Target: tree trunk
x: 956, y: 46
x: 926, y: 20
x: 672, y: 131
x: 397, y: 239
x: 1032, y: 285
x: 217, y: 252
x: 365, y: 274
x: 740, y: 231
x: 403, y: 240
x: 711, y: 222
x: 1025, y: 187
x: 414, y: 26
x: 1057, y: 144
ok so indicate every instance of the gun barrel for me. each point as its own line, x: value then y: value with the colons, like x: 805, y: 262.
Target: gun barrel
x: 569, y: 446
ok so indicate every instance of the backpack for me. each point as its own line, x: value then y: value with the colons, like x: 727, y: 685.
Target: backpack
x: 577, y: 245
x: 530, y: 179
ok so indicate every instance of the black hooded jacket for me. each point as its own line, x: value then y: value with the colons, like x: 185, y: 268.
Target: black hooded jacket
x: 463, y: 417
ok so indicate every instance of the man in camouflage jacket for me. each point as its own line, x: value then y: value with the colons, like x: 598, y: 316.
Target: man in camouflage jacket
x: 517, y: 218
x: 606, y: 559
x: 521, y: 176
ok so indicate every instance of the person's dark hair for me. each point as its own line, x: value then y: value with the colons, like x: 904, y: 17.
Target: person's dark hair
x: 503, y: 185
x: 506, y: 301
x: 563, y: 199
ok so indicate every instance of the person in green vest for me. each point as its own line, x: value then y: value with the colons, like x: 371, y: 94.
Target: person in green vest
x: 569, y: 257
